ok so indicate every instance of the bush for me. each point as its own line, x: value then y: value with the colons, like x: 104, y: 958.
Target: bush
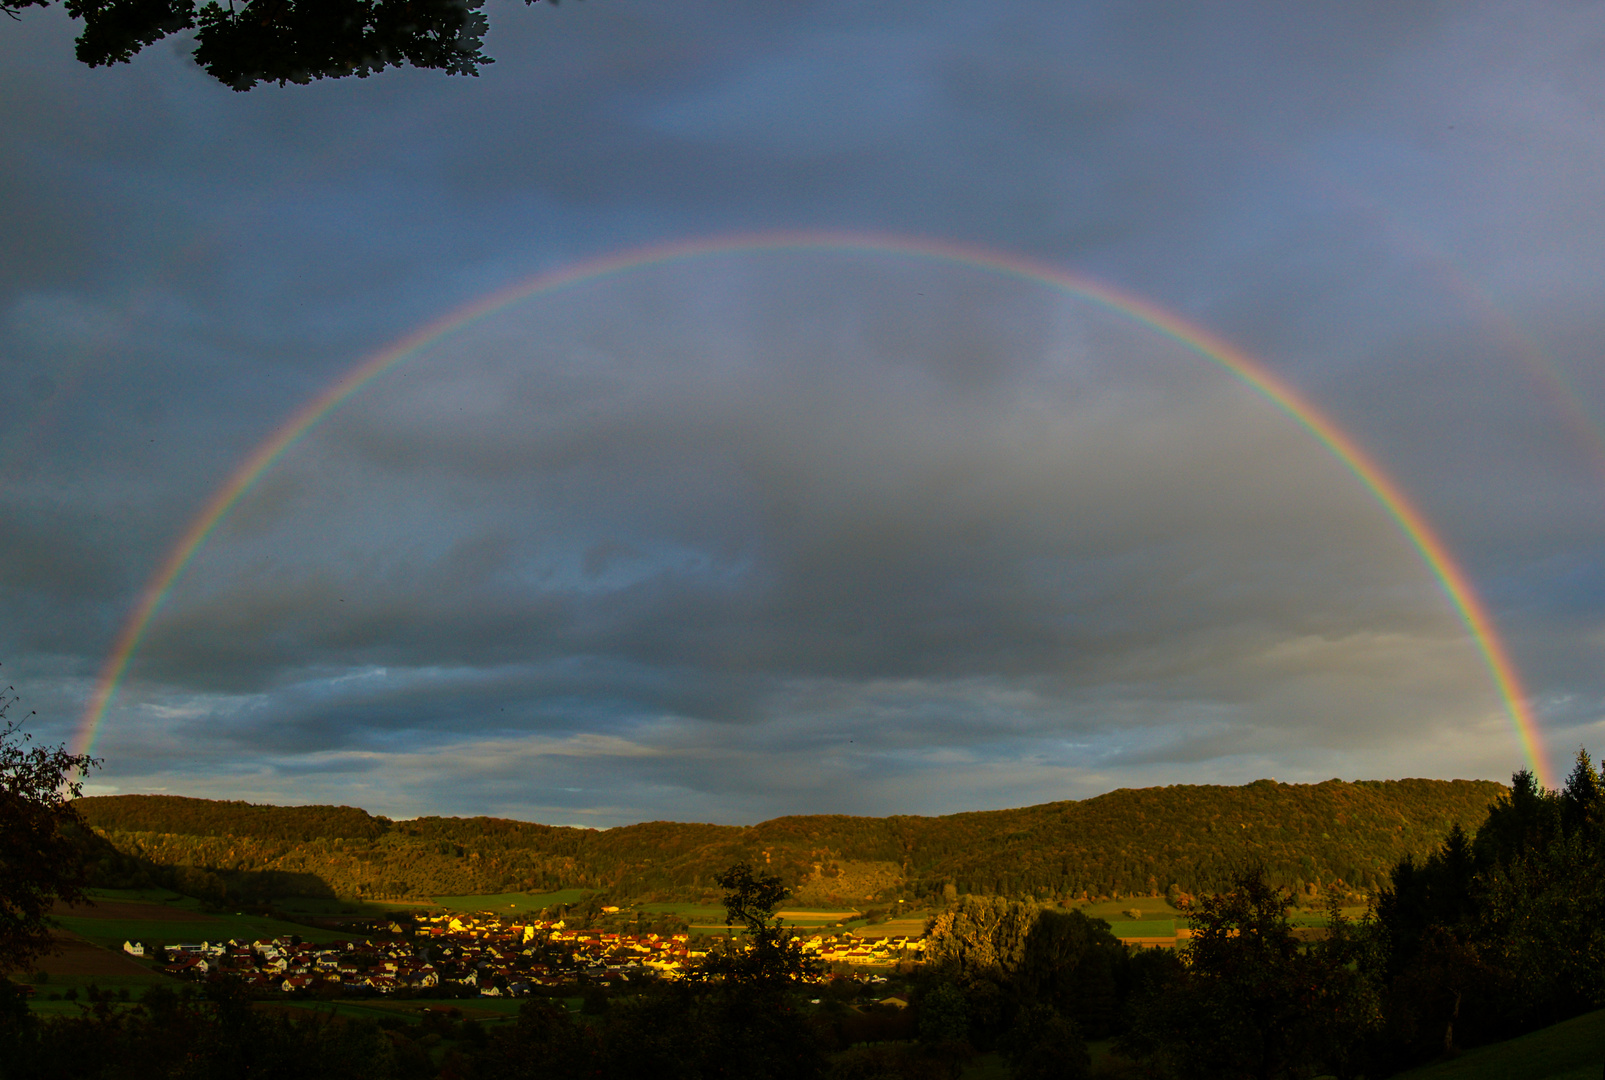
x: 1043, y: 1045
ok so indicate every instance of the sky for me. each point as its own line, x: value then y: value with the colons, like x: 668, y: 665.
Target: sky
x: 822, y: 527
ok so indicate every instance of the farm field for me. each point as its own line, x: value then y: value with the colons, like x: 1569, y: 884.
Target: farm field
x: 116, y: 916
x: 79, y: 965
x: 1571, y: 1050
x: 78, y: 957
x: 1151, y: 907
x: 512, y: 903
x: 709, y: 918
x: 907, y: 927
x: 689, y: 912
x: 1155, y: 908
x: 704, y: 919
x: 1147, y: 928
x: 43, y: 1006
x: 321, y: 907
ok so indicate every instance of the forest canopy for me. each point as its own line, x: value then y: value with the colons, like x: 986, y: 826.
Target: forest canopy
x: 1186, y: 838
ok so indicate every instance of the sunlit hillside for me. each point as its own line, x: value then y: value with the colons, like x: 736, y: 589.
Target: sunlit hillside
x: 1128, y: 842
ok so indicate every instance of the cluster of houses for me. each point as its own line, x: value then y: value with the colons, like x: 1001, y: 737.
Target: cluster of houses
x: 874, y: 952
x: 488, y: 956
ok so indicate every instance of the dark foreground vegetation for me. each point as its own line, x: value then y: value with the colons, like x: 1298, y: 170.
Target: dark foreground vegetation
x: 1183, y: 839
x: 1491, y: 934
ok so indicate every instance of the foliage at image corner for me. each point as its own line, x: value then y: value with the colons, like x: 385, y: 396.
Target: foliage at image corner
x: 1496, y: 933
x: 252, y: 42
x: 41, y: 836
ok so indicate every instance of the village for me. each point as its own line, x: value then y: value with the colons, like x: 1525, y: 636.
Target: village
x: 489, y: 956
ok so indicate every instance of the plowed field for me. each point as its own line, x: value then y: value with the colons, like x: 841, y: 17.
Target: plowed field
x: 129, y: 910
x: 79, y: 957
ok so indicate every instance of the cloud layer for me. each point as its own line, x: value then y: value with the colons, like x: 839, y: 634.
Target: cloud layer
x: 755, y: 534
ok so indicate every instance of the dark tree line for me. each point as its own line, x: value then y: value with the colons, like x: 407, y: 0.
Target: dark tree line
x: 1491, y: 934
x: 1488, y: 936
x: 1494, y: 934
x: 1502, y: 931
x: 1334, y: 836
x: 1245, y: 998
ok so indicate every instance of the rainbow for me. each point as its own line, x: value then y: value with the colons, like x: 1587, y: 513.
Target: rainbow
x: 1451, y: 577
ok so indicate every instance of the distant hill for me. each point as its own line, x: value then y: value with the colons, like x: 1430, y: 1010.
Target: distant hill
x: 1127, y: 842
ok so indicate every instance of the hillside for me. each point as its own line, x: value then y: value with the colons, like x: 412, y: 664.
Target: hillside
x: 1127, y: 842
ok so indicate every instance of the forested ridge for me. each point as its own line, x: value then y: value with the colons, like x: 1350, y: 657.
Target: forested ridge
x: 1127, y: 842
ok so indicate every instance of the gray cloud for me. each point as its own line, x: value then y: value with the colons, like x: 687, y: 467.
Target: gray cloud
x: 752, y: 535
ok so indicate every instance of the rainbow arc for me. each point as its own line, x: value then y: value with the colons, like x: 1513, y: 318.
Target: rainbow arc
x: 1451, y: 577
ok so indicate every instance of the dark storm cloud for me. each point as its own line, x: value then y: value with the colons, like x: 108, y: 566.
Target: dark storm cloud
x: 754, y: 537
x: 793, y: 507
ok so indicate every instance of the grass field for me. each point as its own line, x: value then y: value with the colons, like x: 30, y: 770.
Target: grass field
x: 914, y: 927
x: 689, y: 912
x: 707, y: 919
x: 1146, y: 928
x: 513, y: 903
x: 148, y: 896
x: 1154, y: 908
x: 136, y: 985
x: 323, y: 907
x: 485, y: 1009
x: 45, y: 1007
x: 111, y: 933
x: 1572, y: 1050
x: 155, y: 916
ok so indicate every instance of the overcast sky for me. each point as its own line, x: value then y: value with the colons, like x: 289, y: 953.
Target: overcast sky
x: 778, y: 532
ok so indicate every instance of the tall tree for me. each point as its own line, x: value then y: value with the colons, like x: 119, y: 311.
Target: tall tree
x: 771, y: 952
x: 1075, y: 964
x: 40, y: 862
x: 1250, y: 1002
x: 980, y: 937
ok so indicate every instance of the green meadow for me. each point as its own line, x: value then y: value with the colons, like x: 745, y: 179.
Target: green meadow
x: 1153, y: 909
x: 43, y: 1006
x: 1571, y: 1050
x: 709, y: 919
x: 136, y: 985
x: 513, y: 903
x: 1146, y: 928
x: 111, y: 933
x: 326, y: 907
x: 181, y: 919
x: 689, y: 912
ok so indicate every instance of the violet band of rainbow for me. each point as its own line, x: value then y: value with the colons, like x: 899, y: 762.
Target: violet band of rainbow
x: 1451, y: 577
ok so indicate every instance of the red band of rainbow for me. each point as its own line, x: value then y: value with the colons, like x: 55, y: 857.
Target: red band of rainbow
x: 1451, y: 577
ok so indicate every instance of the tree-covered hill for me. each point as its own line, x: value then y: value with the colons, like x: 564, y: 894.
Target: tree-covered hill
x: 1127, y: 842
